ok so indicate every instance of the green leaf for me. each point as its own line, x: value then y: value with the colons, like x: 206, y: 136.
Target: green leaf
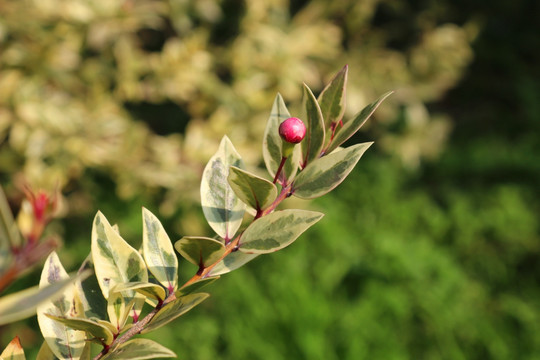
x: 138, y: 349
x: 173, y: 310
x: 231, y: 262
x: 65, y: 343
x: 277, y: 230
x: 351, y: 127
x: 90, y: 295
x: 222, y: 208
x: 252, y: 189
x: 199, y: 250
x: 13, y: 351
x: 94, y: 328
x: 158, y: 252
x: 325, y: 173
x: 332, y: 99
x: 115, y: 261
x: 313, y: 143
x: 272, y: 144
x: 147, y: 289
x: 197, y: 285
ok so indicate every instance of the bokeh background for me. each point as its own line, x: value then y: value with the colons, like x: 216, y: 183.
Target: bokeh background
x: 429, y: 250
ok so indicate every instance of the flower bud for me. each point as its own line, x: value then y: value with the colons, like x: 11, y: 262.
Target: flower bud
x: 292, y: 130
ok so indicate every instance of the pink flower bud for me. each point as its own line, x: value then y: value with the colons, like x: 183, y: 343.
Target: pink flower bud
x: 292, y: 130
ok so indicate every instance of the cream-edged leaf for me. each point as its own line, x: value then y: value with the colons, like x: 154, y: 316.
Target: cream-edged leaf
x: 221, y: 207
x: 158, y: 252
x: 115, y: 261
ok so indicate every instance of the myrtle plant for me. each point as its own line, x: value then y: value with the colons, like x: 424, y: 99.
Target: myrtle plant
x: 136, y: 291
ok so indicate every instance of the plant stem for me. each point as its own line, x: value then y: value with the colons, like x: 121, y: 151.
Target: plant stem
x: 278, y: 172
x: 137, y: 327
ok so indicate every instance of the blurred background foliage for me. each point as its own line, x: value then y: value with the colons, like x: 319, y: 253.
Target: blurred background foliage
x: 428, y: 251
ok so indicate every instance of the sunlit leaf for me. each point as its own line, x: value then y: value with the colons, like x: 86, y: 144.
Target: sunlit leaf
x: 64, y: 342
x: 277, y: 230
x: 272, y: 144
x: 158, y: 251
x: 138, y: 349
x: 327, y: 172
x: 332, y: 99
x: 195, y: 286
x: 313, y: 142
x: 222, y: 208
x: 13, y: 351
x: 352, y: 126
x: 94, y: 328
x: 173, y: 310
x: 199, y: 250
x: 231, y: 262
x: 115, y: 261
x: 252, y: 189
x: 145, y: 288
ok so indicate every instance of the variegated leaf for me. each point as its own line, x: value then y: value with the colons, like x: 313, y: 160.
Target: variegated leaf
x: 351, y: 127
x: 313, y: 142
x: 252, y: 189
x: 139, y: 349
x: 222, y: 208
x: 327, y: 172
x: 276, y: 230
x: 158, y: 252
x: 100, y: 331
x: 115, y: 261
x: 147, y: 289
x: 64, y: 342
x: 199, y: 250
x: 13, y: 351
x: 195, y: 286
x: 332, y: 99
x: 173, y: 310
x: 272, y: 151
x: 231, y: 262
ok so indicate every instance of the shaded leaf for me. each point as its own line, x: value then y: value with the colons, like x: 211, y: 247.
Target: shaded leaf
x: 145, y: 288
x: 277, y: 230
x: 22, y: 304
x: 221, y: 207
x: 313, y: 143
x: 332, y: 98
x: 197, y: 285
x: 327, y: 172
x: 173, y: 310
x: 158, y: 251
x: 231, y: 262
x: 199, y: 250
x: 90, y: 295
x: 45, y: 352
x: 137, y: 349
x: 351, y: 127
x: 93, y: 327
x: 115, y: 260
x: 64, y: 342
x: 272, y: 151
x: 9, y: 232
x: 13, y: 351
x: 252, y: 189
